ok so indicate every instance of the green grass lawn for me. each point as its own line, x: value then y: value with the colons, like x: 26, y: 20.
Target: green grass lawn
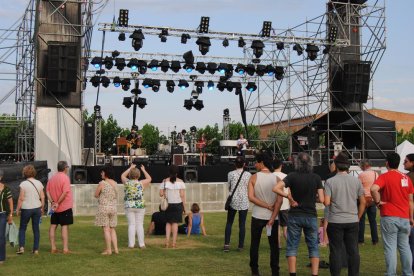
x: 194, y: 255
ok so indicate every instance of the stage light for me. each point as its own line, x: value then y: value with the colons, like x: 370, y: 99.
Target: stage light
x: 189, y: 61
x: 240, y: 69
x: 312, y: 51
x: 170, y: 86
x: 123, y: 18
x: 203, y: 45
x: 105, y: 81
x: 137, y: 39
x: 188, y: 104
x: 120, y: 63
x: 241, y: 42
x: 221, y: 86
x: 326, y: 49
x: 117, y: 82
x: 97, y: 111
x: 164, y: 65
x: 204, y: 24
x: 121, y: 37
x: 95, y: 80
x: 257, y: 46
x: 156, y: 85
x: 298, y: 49
x: 194, y: 94
x: 193, y: 129
x: 201, y: 67
x: 142, y: 67
x: 133, y: 64
x: 96, y: 62
x: 222, y: 68
x: 229, y: 86
x: 333, y: 34
x: 141, y: 102
x: 136, y: 90
x: 210, y: 85
x: 184, y: 38
x: 280, y: 46
x: 109, y: 62
x: 198, y: 105
x: 225, y: 42
x: 126, y: 84
x: 212, y: 67
x: 279, y: 72
x: 260, y: 70
x: 199, y: 86
x: 163, y: 35
x: 147, y: 83
x: 153, y: 65
x: 238, y: 87
x: 183, y: 84
x: 127, y: 102
x: 226, y: 112
x: 250, y: 69
x: 270, y: 70
x: 175, y: 66
x: 251, y: 86
x: 266, y: 29
x: 115, y: 54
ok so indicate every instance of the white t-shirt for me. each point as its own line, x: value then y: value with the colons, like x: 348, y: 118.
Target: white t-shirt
x: 285, y: 203
x: 31, y: 196
x: 173, y: 191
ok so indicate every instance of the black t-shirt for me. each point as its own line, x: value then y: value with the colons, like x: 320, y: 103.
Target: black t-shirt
x: 160, y: 221
x: 303, y: 187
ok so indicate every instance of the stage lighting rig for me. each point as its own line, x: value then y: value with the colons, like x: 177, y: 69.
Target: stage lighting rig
x: 133, y: 64
x: 204, y: 24
x: 194, y: 94
x: 126, y: 84
x: 241, y: 42
x: 127, y: 102
x: 163, y: 35
x: 136, y: 90
x: 153, y: 65
x: 96, y: 62
x: 298, y: 48
x: 251, y: 86
x: 189, y: 61
x: 333, y: 34
x: 123, y: 18
x: 184, y: 38
x: 170, y: 86
x: 199, y: 86
x: 164, y: 65
x: 141, y: 102
x: 279, y: 72
x: 226, y: 42
x: 260, y: 70
x: 203, y: 44
x: 115, y: 54
x: 250, y: 69
x: 183, y: 84
x: 280, y: 46
x: 238, y: 87
x: 229, y: 86
x: 240, y: 69
x: 257, y: 46
x: 266, y: 29
x: 147, y: 83
x: 210, y: 85
x: 226, y: 112
x: 198, y: 105
x: 193, y: 129
x: 120, y: 63
x: 156, y: 85
x: 221, y: 86
x: 137, y: 39
x: 201, y: 67
x: 121, y: 36
x: 117, y: 82
x: 222, y: 68
x: 109, y: 62
x: 212, y: 67
x: 188, y: 104
x: 312, y: 51
x: 142, y: 67
x: 95, y: 80
x: 105, y: 81
x: 270, y: 70
x: 97, y: 111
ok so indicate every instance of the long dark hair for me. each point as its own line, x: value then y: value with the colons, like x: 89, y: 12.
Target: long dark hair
x: 173, y: 171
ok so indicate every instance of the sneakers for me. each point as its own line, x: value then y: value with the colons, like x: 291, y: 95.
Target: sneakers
x: 226, y: 248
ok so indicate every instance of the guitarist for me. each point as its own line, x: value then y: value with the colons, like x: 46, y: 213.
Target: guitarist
x: 134, y: 140
x: 242, y: 145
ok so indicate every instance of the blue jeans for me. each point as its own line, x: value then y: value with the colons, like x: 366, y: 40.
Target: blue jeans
x: 3, y: 222
x: 372, y: 216
x: 294, y: 231
x: 231, y: 213
x: 395, y: 232
x: 26, y: 215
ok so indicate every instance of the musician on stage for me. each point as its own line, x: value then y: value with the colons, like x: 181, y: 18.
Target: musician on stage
x: 181, y: 136
x: 134, y: 140
x: 201, y: 145
x: 242, y: 145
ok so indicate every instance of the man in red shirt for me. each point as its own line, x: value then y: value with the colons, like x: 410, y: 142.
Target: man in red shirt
x: 60, y: 196
x: 392, y: 192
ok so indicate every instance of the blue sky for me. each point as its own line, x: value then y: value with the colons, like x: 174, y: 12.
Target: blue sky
x: 392, y: 84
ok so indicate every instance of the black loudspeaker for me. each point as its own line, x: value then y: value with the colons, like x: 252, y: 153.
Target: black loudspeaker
x: 177, y: 150
x: 313, y: 139
x: 89, y: 135
x: 356, y: 78
x: 62, y: 68
x: 79, y: 175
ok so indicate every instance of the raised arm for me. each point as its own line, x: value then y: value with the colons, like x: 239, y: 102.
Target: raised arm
x: 124, y: 175
x: 147, y: 181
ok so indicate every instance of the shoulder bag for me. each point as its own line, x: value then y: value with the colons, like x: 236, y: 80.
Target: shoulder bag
x: 164, y: 200
x: 230, y: 198
x: 35, y: 189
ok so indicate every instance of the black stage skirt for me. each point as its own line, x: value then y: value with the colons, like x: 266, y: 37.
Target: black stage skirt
x: 174, y: 213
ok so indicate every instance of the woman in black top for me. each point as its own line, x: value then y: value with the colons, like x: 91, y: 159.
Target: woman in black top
x: 6, y: 211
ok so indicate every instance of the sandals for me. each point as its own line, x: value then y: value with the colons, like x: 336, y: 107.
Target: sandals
x: 20, y: 251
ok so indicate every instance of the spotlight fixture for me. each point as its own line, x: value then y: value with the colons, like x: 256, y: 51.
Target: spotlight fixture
x: 136, y: 90
x: 222, y: 68
x: 204, y: 24
x: 266, y: 29
x: 260, y: 70
x: 105, y: 81
x: 250, y: 69
x: 115, y: 54
x: 229, y: 71
x: 241, y: 42
x: 193, y: 129
x: 184, y: 38
x: 199, y: 86
x: 95, y: 80
x: 270, y: 70
x: 229, y: 86
x: 189, y: 61
x: 153, y: 65
x: 142, y: 67
x: 133, y: 64
x: 120, y: 63
x: 126, y: 84
x: 225, y: 42
x: 298, y: 49
x: 123, y: 18
x: 156, y: 85
x: 127, y: 102
x: 212, y: 67
x: 238, y: 87
x: 226, y: 112
x: 194, y: 94
x: 201, y: 67
x: 280, y: 46
x: 97, y: 111
x: 203, y: 44
x: 109, y: 62
x: 117, y: 82
x: 147, y: 83
x: 257, y: 46
x: 198, y: 105
x: 141, y: 102
x: 183, y: 84
x: 164, y: 64
x: 279, y: 72
x: 121, y: 36
x: 137, y: 39
x: 251, y: 86
x: 221, y: 86
x: 188, y: 104
x: 96, y: 62
x: 333, y: 34
x: 326, y: 49
x: 175, y: 66
x: 312, y: 51
x: 170, y: 86
x: 163, y: 35
x: 240, y: 69
x: 210, y: 85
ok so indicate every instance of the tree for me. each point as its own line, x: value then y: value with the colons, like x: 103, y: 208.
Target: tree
x: 402, y: 136
x: 150, y: 138
x: 8, y: 133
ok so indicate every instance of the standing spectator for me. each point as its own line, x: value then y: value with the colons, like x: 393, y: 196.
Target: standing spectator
x: 304, y: 186
x: 367, y: 178
x: 6, y: 215
x: 266, y: 206
x: 135, y: 203
x: 239, y: 203
x: 30, y: 204
x: 106, y: 217
x: 60, y: 196
x: 195, y: 223
x: 284, y: 209
x: 409, y: 166
x: 173, y: 188
x: 341, y: 194
x: 392, y: 192
x: 158, y: 222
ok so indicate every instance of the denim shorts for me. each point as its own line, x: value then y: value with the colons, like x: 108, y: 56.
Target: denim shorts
x: 294, y: 232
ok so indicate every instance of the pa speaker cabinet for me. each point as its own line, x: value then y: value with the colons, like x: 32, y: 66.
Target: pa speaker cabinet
x: 79, y: 175
x: 88, y: 156
x: 89, y: 135
x: 178, y: 159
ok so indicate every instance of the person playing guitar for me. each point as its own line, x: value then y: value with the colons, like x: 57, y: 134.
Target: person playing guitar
x: 201, y: 146
x: 134, y: 140
x: 242, y: 144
